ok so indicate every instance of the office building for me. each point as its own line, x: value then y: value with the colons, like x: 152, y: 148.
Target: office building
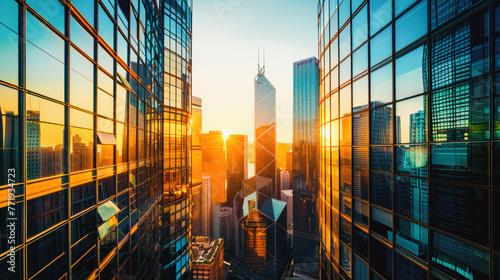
x: 287, y: 196
x: 208, y: 258
x: 262, y: 239
x: 285, y: 180
x: 214, y: 163
x: 95, y: 101
x: 265, y: 130
x: 237, y: 165
x: 305, y: 166
x: 196, y: 178
x: 409, y: 157
x: 206, y: 206
x: 223, y: 224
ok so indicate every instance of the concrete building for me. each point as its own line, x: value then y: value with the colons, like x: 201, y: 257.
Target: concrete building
x: 208, y: 258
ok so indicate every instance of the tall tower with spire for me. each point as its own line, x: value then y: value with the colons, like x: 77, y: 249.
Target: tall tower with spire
x: 265, y: 128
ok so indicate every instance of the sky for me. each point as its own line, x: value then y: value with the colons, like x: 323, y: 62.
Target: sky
x: 226, y: 37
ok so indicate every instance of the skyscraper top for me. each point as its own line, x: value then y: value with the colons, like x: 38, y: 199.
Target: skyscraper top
x: 261, y: 70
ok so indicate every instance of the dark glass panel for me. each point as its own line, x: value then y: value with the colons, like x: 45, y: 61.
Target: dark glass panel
x: 412, y: 160
x: 406, y: 269
x: 82, y: 197
x: 496, y: 220
x: 83, y: 234
x: 5, y: 231
x: 461, y: 162
x: 412, y: 237
x: 45, y: 211
x: 458, y: 259
x: 345, y: 258
x: 381, y: 158
x: 460, y: 210
x: 107, y: 188
x: 47, y: 256
x: 360, y: 186
x: 346, y: 204
x: 411, y: 198
x: 360, y: 269
x: 84, y: 267
x: 381, y: 189
x: 381, y: 223
x: 360, y: 129
x: 360, y: 243
x: 361, y: 212
x: 381, y: 258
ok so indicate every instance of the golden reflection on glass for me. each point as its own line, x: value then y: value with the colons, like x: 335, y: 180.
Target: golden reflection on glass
x: 81, y: 148
x: 335, y: 133
x: 121, y: 143
x: 105, y: 155
x: 104, y: 104
x: 46, y: 111
x: 104, y: 125
x: 81, y: 119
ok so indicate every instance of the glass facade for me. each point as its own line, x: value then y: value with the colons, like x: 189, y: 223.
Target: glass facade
x: 409, y: 139
x: 196, y: 179
x: 95, y: 107
x: 305, y: 166
x: 265, y: 131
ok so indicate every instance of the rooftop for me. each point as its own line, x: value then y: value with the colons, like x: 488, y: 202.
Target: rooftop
x: 205, y: 249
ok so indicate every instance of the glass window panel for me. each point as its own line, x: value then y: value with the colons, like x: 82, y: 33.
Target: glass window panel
x: 44, y: 60
x: 106, y: 83
x: 346, y: 204
x: 360, y: 269
x: 45, y: 211
x: 380, y: 14
x: 105, y: 104
x: 5, y: 230
x: 345, y: 42
x: 81, y: 38
x: 44, y: 143
x: 107, y: 188
x: 496, y: 164
x: 345, y: 101
x: 381, y: 125
x: 360, y: 242
x: 459, y: 259
x: 50, y: 262
x: 82, y: 197
x: 360, y: 94
x: 122, y: 48
x: 360, y: 137
x: 361, y: 212
x: 411, y: 198
x: 407, y: 269
x: 9, y: 47
x: 335, y: 133
x: 360, y: 28
x: 381, y: 258
x: 381, y: 46
x: 86, y: 265
x: 81, y: 85
x: 411, y: 237
x: 106, y: 27
x: 42, y: 110
x: 406, y: 29
x: 105, y: 60
x: 410, y: 74
x: 381, y: 190
x: 121, y: 104
x: 461, y: 112
x: 412, y: 117
x: 81, y: 149
x: 344, y: 11
x: 496, y: 220
x: 401, y: 5
x: 50, y: 10
x: 133, y: 144
x: 345, y: 230
x: 345, y: 131
x: 443, y: 11
x: 345, y: 257
x: 381, y: 158
x: 81, y: 119
x: 86, y: 8
x: 381, y: 86
x: 360, y: 60
x: 460, y: 162
x: 360, y: 184
x: 412, y: 160
x: 381, y: 223
x: 9, y: 11
x: 121, y: 143
x: 104, y: 125
x: 105, y: 155
x: 460, y: 210
x: 10, y: 133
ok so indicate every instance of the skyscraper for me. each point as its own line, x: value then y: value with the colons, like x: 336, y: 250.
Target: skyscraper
x: 408, y: 147
x: 265, y: 130
x: 237, y: 165
x: 196, y: 179
x: 305, y: 165
x: 100, y: 96
x: 214, y: 163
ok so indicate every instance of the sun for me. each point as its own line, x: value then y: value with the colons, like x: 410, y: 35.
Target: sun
x: 225, y: 134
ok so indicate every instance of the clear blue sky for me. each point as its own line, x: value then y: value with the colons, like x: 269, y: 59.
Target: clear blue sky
x: 226, y: 34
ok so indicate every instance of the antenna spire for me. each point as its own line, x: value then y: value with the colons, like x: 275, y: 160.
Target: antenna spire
x: 262, y: 69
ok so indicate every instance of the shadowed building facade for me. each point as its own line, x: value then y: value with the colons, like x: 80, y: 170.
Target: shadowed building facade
x: 409, y: 152
x: 305, y: 166
x: 237, y: 165
x: 196, y: 180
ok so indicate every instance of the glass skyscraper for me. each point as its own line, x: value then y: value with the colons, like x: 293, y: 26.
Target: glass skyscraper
x: 409, y: 145
x: 305, y: 166
x: 95, y: 101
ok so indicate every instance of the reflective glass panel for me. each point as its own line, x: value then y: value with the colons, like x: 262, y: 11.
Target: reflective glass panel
x: 360, y: 28
x: 381, y: 158
x: 380, y: 14
x: 410, y: 75
x: 86, y: 8
x: 411, y: 198
x: 408, y: 269
x: 106, y: 27
x: 407, y: 31
x: 81, y: 149
x: 412, y: 160
x: 345, y: 70
x: 345, y: 101
x: 50, y: 10
x: 412, y: 237
x: 381, y: 258
x: 412, y: 118
x: 81, y: 38
x: 45, y: 211
x: 9, y: 48
x: 345, y: 42
x: 381, y: 86
x: 381, y: 125
x: 381, y: 46
x: 401, y: 5
x: 81, y: 85
x: 360, y: 94
x: 381, y: 189
x: 360, y: 60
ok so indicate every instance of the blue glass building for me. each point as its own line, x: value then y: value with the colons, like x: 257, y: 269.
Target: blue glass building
x: 95, y: 106
x: 305, y: 166
x: 409, y: 151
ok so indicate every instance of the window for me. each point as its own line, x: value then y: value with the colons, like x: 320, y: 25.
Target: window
x: 407, y: 269
x: 380, y: 14
x: 381, y: 190
x: 411, y: 160
x: 82, y: 197
x: 381, y: 46
x: 406, y: 29
x: 10, y: 131
x: 381, y: 258
x: 49, y: 255
x: 412, y: 117
x: 9, y: 50
x: 81, y: 81
x: 45, y: 211
x: 411, y: 237
x: 410, y: 74
x: 381, y: 125
x: 360, y: 60
x: 411, y: 198
x: 360, y: 28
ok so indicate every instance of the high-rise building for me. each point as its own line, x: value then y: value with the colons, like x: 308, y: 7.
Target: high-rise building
x: 409, y: 159
x: 95, y: 101
x: 196, y: 178
x: 206, y: 205
x: 214, y: 163
x: 305, y: 166
x: 265, y: 130
x: 237, y: 165
x: 208, y: 258
x: 285, y: 180
x: 226, y: 226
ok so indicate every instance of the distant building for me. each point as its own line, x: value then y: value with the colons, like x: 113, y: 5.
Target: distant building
x: 305, y: 166
x: 208, y: 258
x: 226, y: 225
x: 237, y: 165
x: 206, y: 206
x: 196, y: 153
x: 214, y: 163
x: 285, y: 180
x: 287, y: 196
